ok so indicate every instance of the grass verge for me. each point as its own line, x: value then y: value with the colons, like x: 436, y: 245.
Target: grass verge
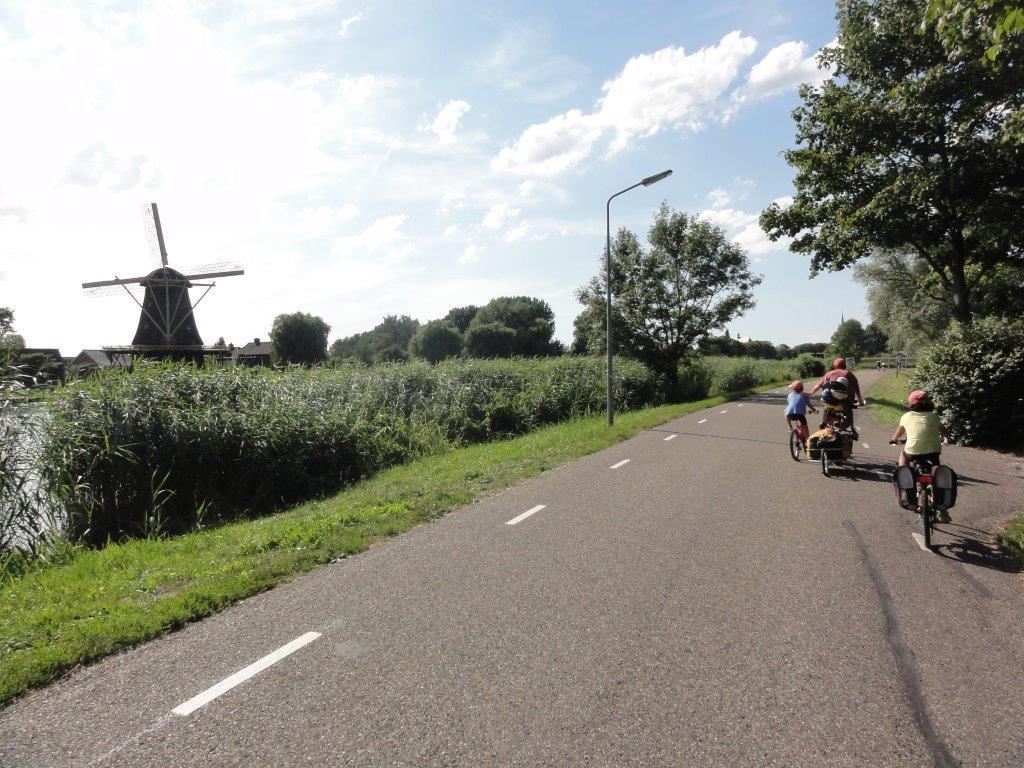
x: 1011, y: 538
x: 104, y: 600
x: 886, y: 399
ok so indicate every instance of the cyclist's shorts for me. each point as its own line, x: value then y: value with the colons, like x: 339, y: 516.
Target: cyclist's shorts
x: 930, y: 458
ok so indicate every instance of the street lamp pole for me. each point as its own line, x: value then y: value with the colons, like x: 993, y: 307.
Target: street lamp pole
x: 608, y: 281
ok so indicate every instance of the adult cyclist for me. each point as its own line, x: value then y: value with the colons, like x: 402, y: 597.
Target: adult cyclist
x: 854, y: 397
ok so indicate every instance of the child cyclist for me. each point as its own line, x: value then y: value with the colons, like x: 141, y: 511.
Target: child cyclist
x: 924, y: 433
x: 796, y: 408
x: 922, y: 428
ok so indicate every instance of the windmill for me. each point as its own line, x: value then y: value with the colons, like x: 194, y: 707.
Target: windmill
x: 167, y: 325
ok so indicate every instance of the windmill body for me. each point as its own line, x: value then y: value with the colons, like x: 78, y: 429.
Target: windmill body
x: 167, y: 325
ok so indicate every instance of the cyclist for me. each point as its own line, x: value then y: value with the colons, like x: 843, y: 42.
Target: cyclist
x: 924, y: 433
x: 843, y: 376
x: 796, y: 408
x: 922, y: 428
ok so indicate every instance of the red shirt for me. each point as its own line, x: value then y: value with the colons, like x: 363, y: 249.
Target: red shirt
x: 852, y: 386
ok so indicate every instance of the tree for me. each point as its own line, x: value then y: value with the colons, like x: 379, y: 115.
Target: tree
x: 875, y: 341
x: 849, y: 339
x: 388, y: 341
x: 461, y: 317
x: 901, y: 150
x: 300, y: 338
x: 220, y: 343
x: 490, y: 340
x: 531, y: 319
x: 762, y: 349
x: 436, y: 341
x: 687, y: 284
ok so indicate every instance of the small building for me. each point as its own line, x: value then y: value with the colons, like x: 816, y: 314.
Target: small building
x: 255, y: 353
x: 89, y: 360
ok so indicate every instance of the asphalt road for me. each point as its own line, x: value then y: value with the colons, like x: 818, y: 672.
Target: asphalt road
x: 708, y: 603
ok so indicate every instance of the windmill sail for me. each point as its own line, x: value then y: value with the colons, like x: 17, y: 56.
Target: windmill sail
x: 154, y: 235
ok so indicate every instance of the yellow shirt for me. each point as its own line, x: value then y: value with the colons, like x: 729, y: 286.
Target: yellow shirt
x: 922, y: 432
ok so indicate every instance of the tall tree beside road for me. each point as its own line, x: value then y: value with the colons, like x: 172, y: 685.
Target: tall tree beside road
x: 687, y: 284
x: 300, y: 338
x: 902, y: 150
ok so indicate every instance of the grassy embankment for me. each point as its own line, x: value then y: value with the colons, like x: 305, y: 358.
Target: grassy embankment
x: 103, y: 600
x: 886, y: 402
x: 887, y: 397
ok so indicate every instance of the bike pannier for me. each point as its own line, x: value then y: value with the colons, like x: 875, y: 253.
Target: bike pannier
x: 905, y: 483
x: 944, y: 482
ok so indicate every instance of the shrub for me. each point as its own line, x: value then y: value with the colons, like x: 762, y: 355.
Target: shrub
x: 168, y: 447
x: 490, y: 340
x: 807, y: 365
x: 695, y: 377
x: 974, y: 372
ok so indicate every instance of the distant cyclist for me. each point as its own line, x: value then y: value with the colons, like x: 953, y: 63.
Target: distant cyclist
x: 843, y: 376
x: 797, y: 405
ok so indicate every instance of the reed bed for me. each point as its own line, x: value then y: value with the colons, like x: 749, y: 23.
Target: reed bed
x: 169, y: 448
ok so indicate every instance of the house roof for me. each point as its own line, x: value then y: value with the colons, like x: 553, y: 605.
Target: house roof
x: 256, y: 348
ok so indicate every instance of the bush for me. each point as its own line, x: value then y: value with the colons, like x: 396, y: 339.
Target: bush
x: 490, y: 340
x: 169, y: 447
x: 974, y: 373
x: 808, y: 365
x: 694, y: 382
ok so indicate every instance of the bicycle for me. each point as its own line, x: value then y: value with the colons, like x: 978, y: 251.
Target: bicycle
x: 924, y: 469
x: 835, y: 456
x: 798, y: 434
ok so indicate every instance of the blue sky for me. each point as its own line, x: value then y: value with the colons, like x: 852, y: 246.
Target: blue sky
x: 363, y: 159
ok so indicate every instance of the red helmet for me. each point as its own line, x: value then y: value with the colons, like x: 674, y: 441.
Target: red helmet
x: 797, y: 386
x: 839, y: 362
x: 918, y: 397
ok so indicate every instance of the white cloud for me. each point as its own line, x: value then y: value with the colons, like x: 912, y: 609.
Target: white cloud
x: 470, y: 254
x: 447, y: 121
x: 499, y: 215
x: 96, y: 166
x: 743, y: 229
x: 346, y: 24
x: 667, y: 89
x: 719, y: 198
x: 517, y: 232
x: 451, y: 231
x: 347, y: 212
x: 383, y: 231
x: 784, y: 67
x: 548, y: 148
x: 451, y: 201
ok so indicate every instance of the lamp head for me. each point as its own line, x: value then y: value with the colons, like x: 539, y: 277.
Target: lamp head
x: 656, y: 178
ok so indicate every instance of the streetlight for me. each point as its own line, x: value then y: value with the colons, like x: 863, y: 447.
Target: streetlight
x: 608, y: 279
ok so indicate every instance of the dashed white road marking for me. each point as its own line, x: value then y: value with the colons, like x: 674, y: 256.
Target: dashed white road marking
x: 526, y: 514
x: 725, y: 411
x: 244, y: 674
x: 671, y: 437
x: 620, y: 464
x: 920, y: 541
x: 702, y: 421
x: 866, y: 446
x: 883, y: 475
x: 739, y: 405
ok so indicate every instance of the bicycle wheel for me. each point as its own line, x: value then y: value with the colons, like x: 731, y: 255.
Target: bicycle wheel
x: 824, y: 462
x: 795, y: 444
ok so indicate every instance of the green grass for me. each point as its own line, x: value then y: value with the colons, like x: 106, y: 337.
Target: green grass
x: 886, y: 399
x: 1011, y: 538
x: 100, y: 601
